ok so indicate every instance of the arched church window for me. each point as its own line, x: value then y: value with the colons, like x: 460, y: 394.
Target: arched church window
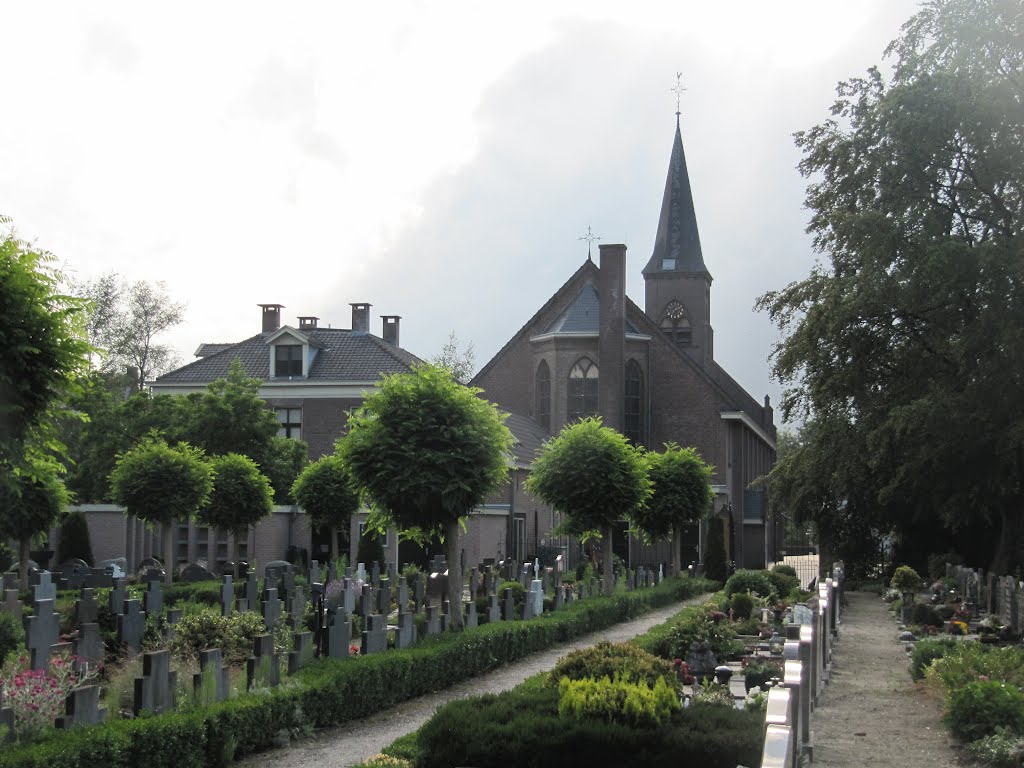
x: 634, y: 405
x: 676, y: 324
x: 542, y: 395
x: 582, y: 390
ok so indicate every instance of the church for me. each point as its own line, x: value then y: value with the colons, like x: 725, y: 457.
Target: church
x: 648, y: 372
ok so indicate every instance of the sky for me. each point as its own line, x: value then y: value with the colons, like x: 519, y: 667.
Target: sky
x: 440, y: 161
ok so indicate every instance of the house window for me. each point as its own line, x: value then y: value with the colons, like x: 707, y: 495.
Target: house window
x: 634, y: 405
x: 543, y: 395
x: 288, y: 360
x: 582, y: 395
x: 289, y: 421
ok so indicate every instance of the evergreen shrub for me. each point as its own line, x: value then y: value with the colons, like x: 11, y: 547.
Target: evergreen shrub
x: 981, y: 706
x: 608, y: 660
x: 74, y: 539
x: 757, y: 582
x: 926, y: 651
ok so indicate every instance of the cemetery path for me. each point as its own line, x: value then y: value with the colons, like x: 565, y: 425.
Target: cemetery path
x: 871, y: 712
x: 358, y: 740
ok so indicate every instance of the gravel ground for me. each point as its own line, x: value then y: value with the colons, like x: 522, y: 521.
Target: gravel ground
x: 357, y: 740
x: 872, y: 713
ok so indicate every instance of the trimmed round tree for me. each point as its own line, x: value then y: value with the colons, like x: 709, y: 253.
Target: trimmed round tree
x: 595, y: 477
x: 681, y: 494
x: 428, y: 451
x: 324, y: 489
x: 29, y: 505
x: 162, y: 485
x: 241, y: 496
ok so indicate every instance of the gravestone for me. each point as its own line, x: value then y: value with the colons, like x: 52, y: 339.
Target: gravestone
x: 156, y: 690
x: 98, y: 578
x: 403, y: 595
x: 375, y: 573
x: 263, y: 668
x: 406, y: 636
x: 42, y: 631
x: 375, y: 637
x: 131, y: 625
x: 361, y: 572
x: 471, y: 617
x: 366, y: 602
x: 488, y: 583
x: 298, y: 608
x: 302, y: 651
x: 117, y: 597
x: 88, y: 646
x: 211, y: 683
x: 289, y: 589
x: 82, y: 708
x: 338, y: 634
x: 348, y: 596
x: 44, y: 589
x: 525, y: 575
x: 802, y: 614
x: 315, y: 573
x: 85, y: 607
x: 436, y: 589
x: 421, y: 586
x: 227, y: 595
x: 537, y: 595
x: 510, y: 605
x: 559, y: 597
x: 271, y: 609
x: 384, y: 596
x: 433, y: 620
x: 194, y: 572
x: 12, y: 604
x: 252, y: 592
x: 173, y: 617
x: 72, y: 574
x: 332, y: 571
x: 493, y: 608
x: 153, y: 598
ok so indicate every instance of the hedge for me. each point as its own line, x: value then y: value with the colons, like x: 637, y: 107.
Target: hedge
x: 329, y: 691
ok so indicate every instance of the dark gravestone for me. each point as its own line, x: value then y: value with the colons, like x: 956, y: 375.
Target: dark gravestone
x: 82, y: 708
x: 298, y: 608
x: 72, y: 574
x: 488, y: 583
x: 403, y: 595
x: 194, y: 572
x: 252, y: 593
x: 302, y: 653
x: 41, y: 632
x: 366, y: 602
x: 471, y: 617
x: 510, y: 605
x: 348, y: 595
x: 375, y: 573
x: 264, y: 667
x: 173, y: 617
x: 421, y: 586
x: 156, y: 690
x: 44, y: 589
x: 12, y: 604
x: 280, y: 567
x: 338, y: 634
x: 332, y: 571
x: 406, y: 630
x: 151, y: 574
x: 559, y: 597
x: 384, y: 596
x: 117, y: 597
x: 315, y: 574
x: 6, y: 723
x: 210, y: 683
x: 153, y: 599
x: 227, y: 595
x: 493, y: 608
x: 375, y: 637
x: 271, y: 609
x: 88, y: 647
x: 85, y: 607
x: 98, y: 578
x: 433, y: 620
x: 131, y: 625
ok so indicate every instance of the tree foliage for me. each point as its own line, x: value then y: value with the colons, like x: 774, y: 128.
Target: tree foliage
x: 29, y: 506
x: 326, y: 492
x: 75, y: 541
x: 427, y: 451
x: 461, y: 363
x: 240, y: 497
x: 905, y: 350
x: 595, y: 477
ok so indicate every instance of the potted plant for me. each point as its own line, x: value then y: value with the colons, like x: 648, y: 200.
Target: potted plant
x: 757, y: 673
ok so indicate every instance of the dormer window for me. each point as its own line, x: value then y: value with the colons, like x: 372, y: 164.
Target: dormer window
x: 287, y: 360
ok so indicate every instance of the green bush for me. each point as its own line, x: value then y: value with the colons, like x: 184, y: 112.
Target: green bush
x: 370, y: 549
x: 759, y: 673
x: 233, y: 634
x: 74, y: 539
x: 784, y: 579
x: 742, y: 605
x: 968, y: 661
x: 518, y: 594
x: 12, y: 636
x: 978, y: 708
x: 925, y: 615
x: 926, y: 651
x: 1003, y: 749
x: 705, y: 630
x: 751, y: 581
x: 905, y: 579
x: 605, y: 659
x: 618, y: 701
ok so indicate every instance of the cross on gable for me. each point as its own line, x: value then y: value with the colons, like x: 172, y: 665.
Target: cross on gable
x: 41, y: 631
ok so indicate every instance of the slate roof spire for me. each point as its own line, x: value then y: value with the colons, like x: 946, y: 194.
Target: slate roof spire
x: 677, y: 244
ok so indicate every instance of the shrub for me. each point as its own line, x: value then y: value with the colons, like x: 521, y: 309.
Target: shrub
x: 784, y: 579
x: 618, y: 701
x: 926, y: 615
x: 610, y: 660
x: 12, y: 636
x: 751, y: 581
x: 518, y: 594
x: 926, y: 651
x: 742, y: 605
x: 905, y: 579
x: 969, y: 661
x: 233, y: 634
x: 74, y: 539
x: 759, y: 673
x: 713, y: 695
x: 978, y: 708
x: 370, y: 549
x: 937, y: 563
x: 1003, y: 749
x: 703, y: 631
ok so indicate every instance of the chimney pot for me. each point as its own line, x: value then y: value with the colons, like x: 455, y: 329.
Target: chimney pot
x: 361, y: 317
x: 271, y: 316
x: 307, y: 323
x: 391, y: 327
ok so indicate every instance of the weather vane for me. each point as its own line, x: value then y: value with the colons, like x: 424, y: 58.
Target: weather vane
x: 678, y: 90
x: 590, y: 237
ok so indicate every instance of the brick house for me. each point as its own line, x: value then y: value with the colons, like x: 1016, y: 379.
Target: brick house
x: 650, y: 373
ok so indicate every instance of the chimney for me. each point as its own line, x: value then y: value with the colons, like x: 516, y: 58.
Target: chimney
x: 391, y: 323
x: 307, y: 323
x: 769, y: 412
x: 271, y: 316
x: 611, y: 290
x: 360, y: 317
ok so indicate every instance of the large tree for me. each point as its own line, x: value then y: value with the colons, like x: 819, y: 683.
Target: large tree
x: 240, y: 497
x: 125, y: 321
x: 905, y: 347
x: 595, y: 477
x: 326, y: 492
x: 162, y: 485
x: 30, y: 505
x: 681, y: 494
x: 43, y: 351
x: 428, y: 451
x: 459, y: 361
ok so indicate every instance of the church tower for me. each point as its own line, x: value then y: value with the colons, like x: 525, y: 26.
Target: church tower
x: 677, y: 285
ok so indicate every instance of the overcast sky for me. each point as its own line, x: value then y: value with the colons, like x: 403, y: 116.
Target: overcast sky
x: 438, y: 160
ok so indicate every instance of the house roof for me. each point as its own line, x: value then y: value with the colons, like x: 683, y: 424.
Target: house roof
x: 343, y: 355
x: 677, y: 243
x: 212, y: 348
x: 529, y: 436
x: 583, y: 314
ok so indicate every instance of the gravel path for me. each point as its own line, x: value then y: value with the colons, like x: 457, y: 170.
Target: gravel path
x: 357, y: 740
x: 871, y: 712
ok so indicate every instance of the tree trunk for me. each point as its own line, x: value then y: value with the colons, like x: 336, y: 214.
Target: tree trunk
x: 1009, y: 554
x: 609, y: 567
x: 677, y: 550
x: 23, y: 548
x: 168, y: 553
x: 451, y: 554
x: 234, y: 552
x: 335, y: 550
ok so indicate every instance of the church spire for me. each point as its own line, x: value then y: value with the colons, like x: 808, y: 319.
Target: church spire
x: 677, y: 244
